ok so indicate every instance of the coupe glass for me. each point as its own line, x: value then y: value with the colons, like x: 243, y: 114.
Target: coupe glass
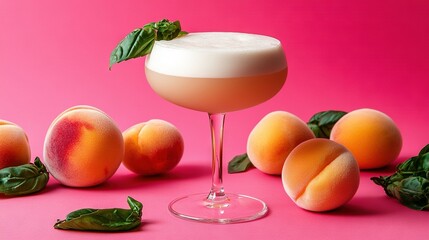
x: 216, y: 73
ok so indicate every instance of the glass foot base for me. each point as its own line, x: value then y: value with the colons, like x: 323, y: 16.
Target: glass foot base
x: 233, y: 208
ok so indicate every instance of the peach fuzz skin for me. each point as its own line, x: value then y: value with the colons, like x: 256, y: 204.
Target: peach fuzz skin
x: 14, y: 145
x: 153, y: 147
x: 83, y: 147
x: 273, y: 138
x: 320, y: 175
x: 372, y: 137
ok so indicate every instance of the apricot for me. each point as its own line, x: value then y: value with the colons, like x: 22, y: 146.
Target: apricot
x: 152, y: 147
x: 14, y: 145
x: 83, y: 147
x: 320, y: 175
x: 372, y: 137
x: 273, y: 138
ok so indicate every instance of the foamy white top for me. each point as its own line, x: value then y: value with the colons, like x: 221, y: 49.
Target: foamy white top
x: 217, y: 55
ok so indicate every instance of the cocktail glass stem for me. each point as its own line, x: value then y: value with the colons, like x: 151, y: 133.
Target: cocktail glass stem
x: 216, y: 197
x: 218, y: 206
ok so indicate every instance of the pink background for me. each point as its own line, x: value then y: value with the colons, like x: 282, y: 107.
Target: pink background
x: 342, y: 55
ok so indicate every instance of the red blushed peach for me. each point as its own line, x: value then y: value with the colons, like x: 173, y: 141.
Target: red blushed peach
x: 273, y: 138
x: 83, y: 147
x: 320, y: 175
x: 152, y: 147
x: 372, y: 137
x: 14, y: 145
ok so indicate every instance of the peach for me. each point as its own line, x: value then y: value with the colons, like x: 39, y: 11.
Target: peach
x: 320, y: 175
x: 83, y: 147
x: 372, y: 137
x: 152, y: 147
x: 273, y: 138
x: 14, y: 145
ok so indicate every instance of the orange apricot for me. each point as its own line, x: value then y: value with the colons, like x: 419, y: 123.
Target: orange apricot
x: 320, y: 175
x: 83, y: 147
x: 372, y: 137
x: 152, y: 147
x: 273, y: 138
x: 14, y: 145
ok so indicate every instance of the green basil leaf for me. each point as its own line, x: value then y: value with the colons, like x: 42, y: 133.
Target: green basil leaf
x: 414, y: 193
x: 25, y: 179
x: 136, y: 44
x: 416, y: 166
x: 109, y: 220
x: 239, y: 163
x: 167, y: 30
x: 424, y: 150
x: 410, y: 183
x: 79, y: 213
x: 322, y: 123
x: 382, y: 181
x: 140, y: 42
x: 135, y: 206
x: 316, y: 130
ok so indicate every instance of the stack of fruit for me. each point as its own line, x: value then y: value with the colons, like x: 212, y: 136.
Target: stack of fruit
x: 320, y: 161
x: 84, y: 147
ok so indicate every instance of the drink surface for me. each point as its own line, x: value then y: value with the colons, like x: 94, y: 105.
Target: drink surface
x: 217, y: 72
x: 217, y: 55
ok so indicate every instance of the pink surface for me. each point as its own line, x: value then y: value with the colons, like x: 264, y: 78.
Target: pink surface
x: 341, y: 54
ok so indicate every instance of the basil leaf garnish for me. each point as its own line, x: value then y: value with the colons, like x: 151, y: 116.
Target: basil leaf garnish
x: 239, y: 163
x: 108, y: 220
x: 166, y: 30
x: 24, y: 179
x: 322, y: 123
x: 140, y: 42
x: 410, y: 183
